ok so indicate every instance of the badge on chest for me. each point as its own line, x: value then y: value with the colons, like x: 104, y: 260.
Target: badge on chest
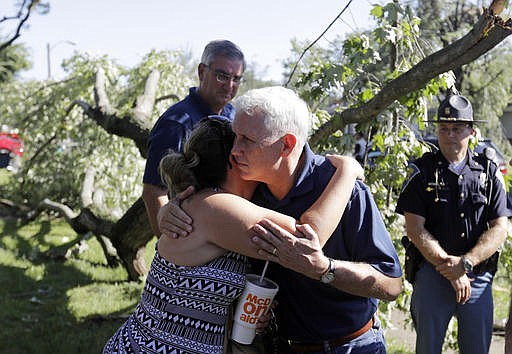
x: 437, y: 186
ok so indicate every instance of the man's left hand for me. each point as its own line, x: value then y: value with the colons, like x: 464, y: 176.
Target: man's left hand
x: 264, y: 321
x: 172, y: 220
x: 300, y: 252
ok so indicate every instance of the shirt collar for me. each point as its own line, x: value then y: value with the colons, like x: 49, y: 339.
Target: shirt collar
x: 227, y: 111
x: 470, y: 161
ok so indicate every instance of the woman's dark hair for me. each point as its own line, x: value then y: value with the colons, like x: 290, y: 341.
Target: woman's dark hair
x: 205, y: 157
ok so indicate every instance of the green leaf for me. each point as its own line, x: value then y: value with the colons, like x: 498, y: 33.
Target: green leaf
x: 377, y: 11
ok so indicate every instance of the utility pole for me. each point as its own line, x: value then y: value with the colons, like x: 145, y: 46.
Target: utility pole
x: 48, y: 55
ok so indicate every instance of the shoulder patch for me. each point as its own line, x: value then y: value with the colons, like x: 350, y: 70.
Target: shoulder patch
x: 412, y: 171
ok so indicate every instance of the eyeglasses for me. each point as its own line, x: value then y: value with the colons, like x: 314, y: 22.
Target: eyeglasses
x: 222, y: 77
x: 457, y: 130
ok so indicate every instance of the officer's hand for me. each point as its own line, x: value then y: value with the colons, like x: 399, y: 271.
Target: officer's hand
x: 172, y: 220
x: 462, y: 287
x: 452, y: 268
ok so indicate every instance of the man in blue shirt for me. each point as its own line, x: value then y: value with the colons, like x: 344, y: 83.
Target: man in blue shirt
x: 330, y: 305
x: 455, y: 210
x: 220, y: 74
x: 327, y: 306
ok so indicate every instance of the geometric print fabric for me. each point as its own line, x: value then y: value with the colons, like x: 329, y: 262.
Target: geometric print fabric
x: 183, y: 309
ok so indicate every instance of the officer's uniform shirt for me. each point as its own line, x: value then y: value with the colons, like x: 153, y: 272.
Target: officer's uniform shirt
x: 456, y: 206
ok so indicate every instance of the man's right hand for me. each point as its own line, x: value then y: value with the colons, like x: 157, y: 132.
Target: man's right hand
x: 172, y: 220
x: 462, y: 287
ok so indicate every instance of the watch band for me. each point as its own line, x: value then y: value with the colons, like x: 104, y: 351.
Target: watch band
x: 468, y: 265
x: 330, y: 273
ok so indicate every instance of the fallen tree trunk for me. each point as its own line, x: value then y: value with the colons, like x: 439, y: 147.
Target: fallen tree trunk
x: 129, y: 235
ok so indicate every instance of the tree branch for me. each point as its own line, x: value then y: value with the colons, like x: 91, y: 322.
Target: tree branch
x: 23, y: 19
x: 100, y: 95
x: 489, y: 31
x: 165, y: 97
x: 64, y: 210
x: 134, y: 127
x: 85, y: 221
x: 146, y: 101
x: 88, y: 187
x: 316, y: 40
x: 126, y: 126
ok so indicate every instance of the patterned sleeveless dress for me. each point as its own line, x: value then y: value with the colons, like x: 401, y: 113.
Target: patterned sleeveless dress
x: 183, y: 309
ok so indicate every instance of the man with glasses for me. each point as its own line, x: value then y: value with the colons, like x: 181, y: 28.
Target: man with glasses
x: 220, y: 74
x: 455, y: 208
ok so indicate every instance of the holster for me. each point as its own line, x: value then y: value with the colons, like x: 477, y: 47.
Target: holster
x: 413, y: 259
x: 489, y: 265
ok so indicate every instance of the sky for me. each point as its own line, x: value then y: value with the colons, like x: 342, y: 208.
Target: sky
x: 126, y: 30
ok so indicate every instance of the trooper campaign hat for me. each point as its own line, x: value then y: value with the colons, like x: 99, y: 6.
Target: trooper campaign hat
x: 455, y: 109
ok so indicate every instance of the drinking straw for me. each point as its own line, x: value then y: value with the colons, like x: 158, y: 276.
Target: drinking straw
x: 263, y: 272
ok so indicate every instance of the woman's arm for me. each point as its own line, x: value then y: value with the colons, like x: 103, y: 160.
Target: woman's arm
x: 226, y: 220
x: 233, y: 217
x: 325, y: 214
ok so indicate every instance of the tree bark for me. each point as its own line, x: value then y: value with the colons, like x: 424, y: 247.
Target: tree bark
x: 128, y: 235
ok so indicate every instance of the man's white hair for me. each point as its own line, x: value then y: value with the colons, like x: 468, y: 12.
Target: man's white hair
x: 282, y: 109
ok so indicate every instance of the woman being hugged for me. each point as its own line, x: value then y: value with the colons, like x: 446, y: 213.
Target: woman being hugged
x: 193, y: 280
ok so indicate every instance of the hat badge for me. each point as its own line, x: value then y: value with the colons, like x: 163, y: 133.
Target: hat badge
x: 447, y: 111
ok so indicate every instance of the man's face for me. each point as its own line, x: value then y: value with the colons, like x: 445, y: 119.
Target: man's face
x: 219, y: 81
x: 255, y: 152
x: 454, y: 138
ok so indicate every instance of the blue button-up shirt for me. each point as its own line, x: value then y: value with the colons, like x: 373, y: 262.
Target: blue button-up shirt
x: 310, y: 311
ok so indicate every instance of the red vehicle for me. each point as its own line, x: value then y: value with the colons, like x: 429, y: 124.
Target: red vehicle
x: 11, y: 149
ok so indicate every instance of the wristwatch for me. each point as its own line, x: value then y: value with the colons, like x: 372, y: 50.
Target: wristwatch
x: 329, y: 274
x: 468, y: 266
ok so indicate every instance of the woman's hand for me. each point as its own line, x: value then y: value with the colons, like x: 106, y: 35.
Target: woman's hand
x: 347, y: 165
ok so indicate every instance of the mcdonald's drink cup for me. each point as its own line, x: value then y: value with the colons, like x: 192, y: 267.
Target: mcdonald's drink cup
x: 254, y: 302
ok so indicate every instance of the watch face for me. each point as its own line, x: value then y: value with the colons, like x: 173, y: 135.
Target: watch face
x: 468, y: 266
x: 327, y: 277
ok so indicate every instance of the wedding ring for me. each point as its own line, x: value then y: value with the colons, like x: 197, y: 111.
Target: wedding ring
x: 274, y: 251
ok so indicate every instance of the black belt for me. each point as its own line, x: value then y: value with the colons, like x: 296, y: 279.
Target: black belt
x: 315, y: 347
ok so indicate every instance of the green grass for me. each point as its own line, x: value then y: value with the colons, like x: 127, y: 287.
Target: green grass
x: 58, y: 306
x: 74, y: 305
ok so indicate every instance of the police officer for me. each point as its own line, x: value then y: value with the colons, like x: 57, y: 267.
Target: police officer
x: 455, y: 208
